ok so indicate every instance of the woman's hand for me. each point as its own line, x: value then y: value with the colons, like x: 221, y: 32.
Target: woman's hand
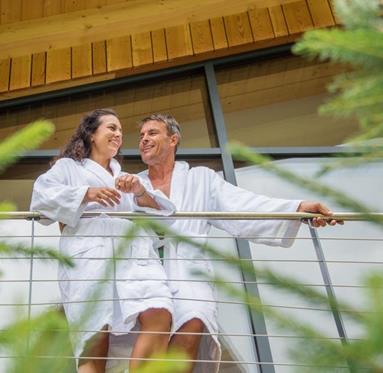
x: 103, y: 196
x: 130, y: 184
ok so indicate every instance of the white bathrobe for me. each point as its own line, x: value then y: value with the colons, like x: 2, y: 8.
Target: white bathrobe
x: 202, y: 189
x: 58, y: 194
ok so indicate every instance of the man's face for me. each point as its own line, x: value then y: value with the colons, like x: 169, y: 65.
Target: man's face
x: 156, y: 146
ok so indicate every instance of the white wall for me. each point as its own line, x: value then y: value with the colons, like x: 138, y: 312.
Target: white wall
x: 341, y: 243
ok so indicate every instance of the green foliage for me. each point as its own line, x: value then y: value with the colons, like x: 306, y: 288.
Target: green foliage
x: 358, y: 14
x: 313, y: 350
x: 245, y: 154
x: 36, y: 343
x: 172, y: 361
x: 39, y: 345
x: 26, y: 139
x: 359, y: 92
x: 21, y: 249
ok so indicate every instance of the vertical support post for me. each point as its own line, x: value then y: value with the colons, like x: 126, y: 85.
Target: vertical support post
x: 329, y: 288
x: 257, y: 320
x: 30, y: 278
x: 327, y: 281
x: 31, y: 270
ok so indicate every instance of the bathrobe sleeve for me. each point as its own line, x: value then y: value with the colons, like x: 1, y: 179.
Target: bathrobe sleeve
x: 56, y: 197
x: 227, y: 197
x: 167, y: 207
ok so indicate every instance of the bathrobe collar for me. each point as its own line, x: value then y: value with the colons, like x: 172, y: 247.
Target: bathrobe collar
x: 101, y: 172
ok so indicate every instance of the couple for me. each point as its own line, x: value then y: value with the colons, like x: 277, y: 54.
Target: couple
x: 87, y: 177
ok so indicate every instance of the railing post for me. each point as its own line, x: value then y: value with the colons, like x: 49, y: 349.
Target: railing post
x: 31, y: 270
x: 30, y: 279
x: 257, y: 320
x: 329, y: 288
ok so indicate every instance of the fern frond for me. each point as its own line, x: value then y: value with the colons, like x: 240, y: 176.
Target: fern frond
x: 26, y: 139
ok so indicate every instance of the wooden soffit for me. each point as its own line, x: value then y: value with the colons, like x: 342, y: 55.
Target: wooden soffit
x: 53, y: 44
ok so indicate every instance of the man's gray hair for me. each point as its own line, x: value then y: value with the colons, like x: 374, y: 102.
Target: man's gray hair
x: 172, y: 126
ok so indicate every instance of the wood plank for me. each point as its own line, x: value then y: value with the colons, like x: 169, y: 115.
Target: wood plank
x: 55, y: 86
x: 38, y: 69
x: 99, y: 57
x: 147, y: 68
x: 20, y: 73
x: 278, y: 21
x: 82, y: 61
x: 260, y: 23
x: 119, y: 53
x: 320, y: 13
x: 10, y: 11
x: 142, y: 50
x: 160, y: 52
x: 95, y: 3
x: 58, y: 65
x: 201, y: 37
x: 113, y: 1
x: 89, y: 25
x: 336, y: 18
x: 218, y: 33
x: 178, y: 41
x: 32, y: 9
x: 298, y: 17
x: 52, y: 7
x: 73, y: 5
x: 5, y: 70
x: 238, y: 29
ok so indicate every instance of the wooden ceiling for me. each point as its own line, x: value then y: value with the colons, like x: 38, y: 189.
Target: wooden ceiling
x: 51, y: 44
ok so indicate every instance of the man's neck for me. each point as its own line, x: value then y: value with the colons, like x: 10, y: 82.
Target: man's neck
x: 161, y: 171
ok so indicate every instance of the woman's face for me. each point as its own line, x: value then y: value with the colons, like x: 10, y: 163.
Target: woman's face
x: 107, y: 139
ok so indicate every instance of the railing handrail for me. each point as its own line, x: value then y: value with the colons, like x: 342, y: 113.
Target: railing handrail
x: 211, y: 215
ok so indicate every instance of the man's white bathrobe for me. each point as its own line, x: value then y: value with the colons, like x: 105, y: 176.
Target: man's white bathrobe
x: 202, y: 189
x: 58, y: 194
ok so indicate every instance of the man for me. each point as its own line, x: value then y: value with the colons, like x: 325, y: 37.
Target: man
x: 201, y: 189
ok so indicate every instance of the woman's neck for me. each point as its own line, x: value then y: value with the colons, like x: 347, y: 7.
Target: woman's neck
x: 102, y: 161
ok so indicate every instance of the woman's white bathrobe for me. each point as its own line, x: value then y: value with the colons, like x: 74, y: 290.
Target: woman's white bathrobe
x: 58, y: 194
x: 202, y: 189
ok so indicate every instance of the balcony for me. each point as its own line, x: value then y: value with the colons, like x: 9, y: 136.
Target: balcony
x: 330, y: 259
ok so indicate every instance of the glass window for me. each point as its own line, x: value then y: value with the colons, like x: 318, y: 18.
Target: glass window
x: 16, y: 183
x: 184, y: 97
x: 352, y: 250
x: 274, y: 102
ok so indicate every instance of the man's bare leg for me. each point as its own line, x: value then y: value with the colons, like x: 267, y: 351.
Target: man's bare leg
x: 188, y: 343
x: 97, y: 347
x: 147, y: 344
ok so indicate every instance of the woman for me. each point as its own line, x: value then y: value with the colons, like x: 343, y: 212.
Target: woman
x: 87, y: 177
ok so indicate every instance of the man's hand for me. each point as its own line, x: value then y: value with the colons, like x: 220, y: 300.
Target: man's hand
x: 130, y: 184
x: 103, y: 196
x: 318, y: 208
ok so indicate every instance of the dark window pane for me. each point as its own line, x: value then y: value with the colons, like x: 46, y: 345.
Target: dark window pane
x: 184, y: 97
x: 16, y: 183
x: 274, y: 102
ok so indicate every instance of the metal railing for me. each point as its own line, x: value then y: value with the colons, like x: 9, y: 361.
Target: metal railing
x: 345, y: 216
x: 327, y: 283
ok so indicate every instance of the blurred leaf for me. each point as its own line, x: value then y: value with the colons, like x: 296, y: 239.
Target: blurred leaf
x: 21, y: 249
x: 246, y: 154
x: 174, y: 362
x: 39, y: 345
x: 26, y: 139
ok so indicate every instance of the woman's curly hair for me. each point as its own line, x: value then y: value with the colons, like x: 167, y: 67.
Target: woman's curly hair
x: 80, y: 145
